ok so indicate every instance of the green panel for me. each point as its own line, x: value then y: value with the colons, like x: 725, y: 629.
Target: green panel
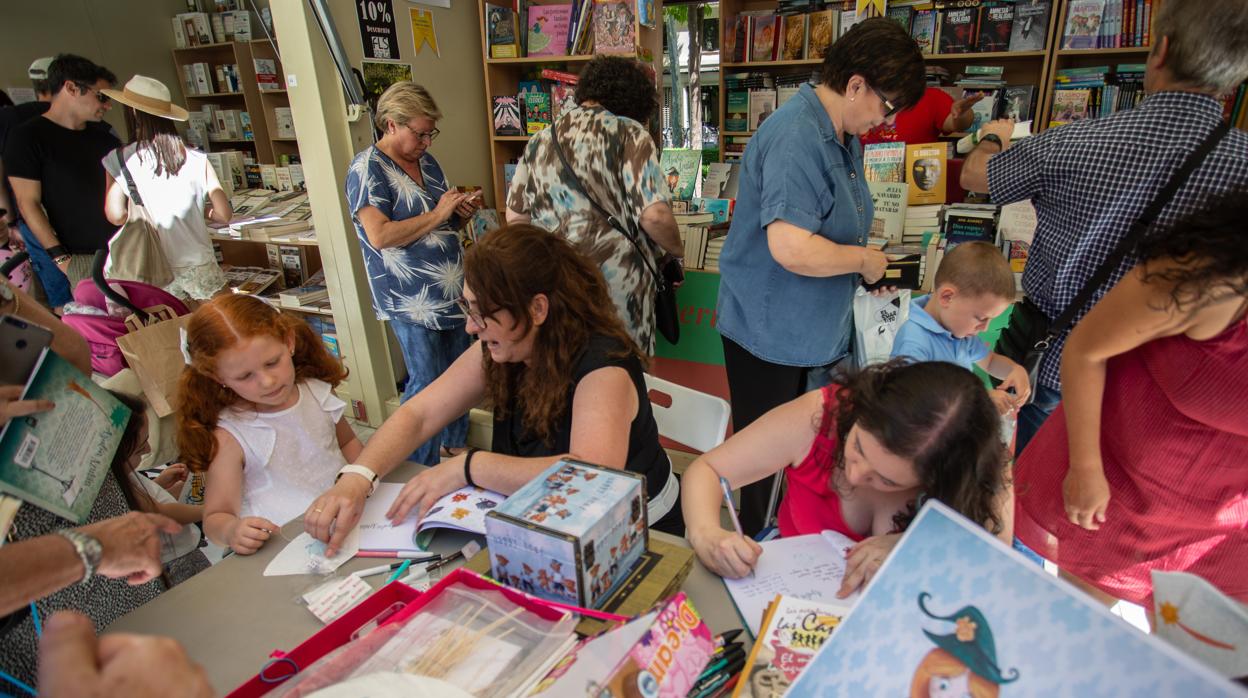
x: 699, y: 340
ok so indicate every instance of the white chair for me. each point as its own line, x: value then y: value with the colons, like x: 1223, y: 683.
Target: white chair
x: 693, y: 418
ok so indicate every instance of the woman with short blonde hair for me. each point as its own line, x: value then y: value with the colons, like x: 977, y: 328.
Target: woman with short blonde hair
x: 406, y: 215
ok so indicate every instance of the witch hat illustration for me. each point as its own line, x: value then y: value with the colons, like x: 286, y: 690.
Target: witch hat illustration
x: 971, y: 642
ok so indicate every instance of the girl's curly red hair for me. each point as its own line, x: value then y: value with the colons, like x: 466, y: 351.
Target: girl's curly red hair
x: 216, y: 326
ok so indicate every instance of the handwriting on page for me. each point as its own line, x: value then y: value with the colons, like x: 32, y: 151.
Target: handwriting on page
x: 806, y: 567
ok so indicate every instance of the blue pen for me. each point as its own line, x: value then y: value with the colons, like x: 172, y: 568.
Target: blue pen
x: 399, y: 572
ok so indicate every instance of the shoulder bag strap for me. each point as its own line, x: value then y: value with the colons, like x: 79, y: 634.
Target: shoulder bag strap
x: 125, y: 171
x: 1133, y: 236
x: 611, y: 219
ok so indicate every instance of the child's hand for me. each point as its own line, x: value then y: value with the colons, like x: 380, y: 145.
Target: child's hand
x: 250, y: 534
x: 1018, y: 380
x: 1003, y: 401
x: 172, y: 479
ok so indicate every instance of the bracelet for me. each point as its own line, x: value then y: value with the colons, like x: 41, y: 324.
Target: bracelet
x: 57, y: 251
x: 467, y: 463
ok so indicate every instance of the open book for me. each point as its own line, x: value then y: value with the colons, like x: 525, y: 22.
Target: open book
x: 463, y: 510
x: 803, y: 567
x: 40, y: 463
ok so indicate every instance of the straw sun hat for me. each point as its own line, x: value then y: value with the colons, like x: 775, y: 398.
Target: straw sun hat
x: 148, y: 95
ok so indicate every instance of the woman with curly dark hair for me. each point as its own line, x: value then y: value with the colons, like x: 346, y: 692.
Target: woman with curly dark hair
x: 1144, y: 466
x: 614, y: 162
x: 554, y: 362
x: 859, y: 456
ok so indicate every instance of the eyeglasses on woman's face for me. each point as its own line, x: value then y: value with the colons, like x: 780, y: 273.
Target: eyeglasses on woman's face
x: 889, y: 107
x: 426, y: 136
x: 466, y: 309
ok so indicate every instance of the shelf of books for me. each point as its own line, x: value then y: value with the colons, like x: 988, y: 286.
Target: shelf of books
x: 770, y: 48
x: 533, y: 51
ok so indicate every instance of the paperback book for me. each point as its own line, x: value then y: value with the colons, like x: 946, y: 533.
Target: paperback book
x: 925, y: 165
x: 614, y: 27
x: 681, y: 169
x: 507, y: 117
x: 548, y: 29
x: 1031, y: 25
x: 1083, y: 23
x: 958, y: 30
x: 995, y: 24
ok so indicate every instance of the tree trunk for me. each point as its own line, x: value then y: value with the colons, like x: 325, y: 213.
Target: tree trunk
x: 675, y: 118
x: 695, y: 77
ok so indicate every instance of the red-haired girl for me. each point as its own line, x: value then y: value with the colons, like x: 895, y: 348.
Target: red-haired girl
x: 257, y: 413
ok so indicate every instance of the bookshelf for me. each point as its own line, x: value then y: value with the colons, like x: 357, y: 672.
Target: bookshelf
x: 503, y: 76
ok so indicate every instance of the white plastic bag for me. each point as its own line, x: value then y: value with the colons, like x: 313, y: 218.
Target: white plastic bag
x: 876, y: 322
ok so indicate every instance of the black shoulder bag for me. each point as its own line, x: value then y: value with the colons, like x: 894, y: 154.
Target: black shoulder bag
x: 666, y: 315
x: 1030, y: 334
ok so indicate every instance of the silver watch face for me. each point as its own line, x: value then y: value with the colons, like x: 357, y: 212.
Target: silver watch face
x: 93, y: 549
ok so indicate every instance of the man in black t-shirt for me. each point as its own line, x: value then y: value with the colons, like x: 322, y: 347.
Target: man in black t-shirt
x: 53, y: 165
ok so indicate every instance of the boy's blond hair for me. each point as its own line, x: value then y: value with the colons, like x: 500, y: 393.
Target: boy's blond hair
x: 977, y: 269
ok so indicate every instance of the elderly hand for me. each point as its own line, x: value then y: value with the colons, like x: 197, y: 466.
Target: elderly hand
x: 334, y: 514
x: 448, y: 204
x: 864, y: 560
x: 428, y: 487
x: 874, y: 264
x: 73, y: 662
x: 131, y: 545
x: 470, y: 205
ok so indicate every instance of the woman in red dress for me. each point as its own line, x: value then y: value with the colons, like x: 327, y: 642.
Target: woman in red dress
x: 1145, y: 464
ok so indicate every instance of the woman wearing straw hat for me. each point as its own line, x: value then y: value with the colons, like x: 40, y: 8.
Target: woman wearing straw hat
x: 172, y: 181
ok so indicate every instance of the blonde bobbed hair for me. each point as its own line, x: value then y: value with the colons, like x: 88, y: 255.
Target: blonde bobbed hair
x: 404, y: 101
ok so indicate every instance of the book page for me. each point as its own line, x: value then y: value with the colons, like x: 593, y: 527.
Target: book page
x: 806, y: 567
x: 464, y: 509
x: 376, y: 531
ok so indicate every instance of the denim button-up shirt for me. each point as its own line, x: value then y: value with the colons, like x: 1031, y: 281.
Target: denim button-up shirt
x: 796, y: 170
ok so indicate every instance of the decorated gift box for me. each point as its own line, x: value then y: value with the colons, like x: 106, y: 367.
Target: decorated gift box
x: 570, y: 535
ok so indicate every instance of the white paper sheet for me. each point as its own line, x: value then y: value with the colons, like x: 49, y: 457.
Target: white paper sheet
x: 306, y: 555
x: 806, y: 567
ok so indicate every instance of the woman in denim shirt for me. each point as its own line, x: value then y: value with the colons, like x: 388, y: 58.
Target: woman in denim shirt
x: 796, y: 249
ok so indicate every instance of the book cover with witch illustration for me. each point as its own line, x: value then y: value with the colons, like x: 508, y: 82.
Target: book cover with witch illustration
x: 954, y: 611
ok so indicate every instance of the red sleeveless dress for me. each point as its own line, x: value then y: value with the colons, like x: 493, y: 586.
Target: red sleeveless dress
x: 1174, y: 442
x: 809, y: 504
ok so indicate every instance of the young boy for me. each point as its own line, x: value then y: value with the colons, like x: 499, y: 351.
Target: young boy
x: 973, y: 285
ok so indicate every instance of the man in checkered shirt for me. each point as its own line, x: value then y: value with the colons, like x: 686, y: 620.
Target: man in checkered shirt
x: 1090, y: 180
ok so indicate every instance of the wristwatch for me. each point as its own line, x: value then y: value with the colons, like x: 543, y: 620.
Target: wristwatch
x: 88, y: 548
x: 992, y: 138
x: 362, y: 471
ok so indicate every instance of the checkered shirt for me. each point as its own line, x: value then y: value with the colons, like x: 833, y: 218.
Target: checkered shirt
x: 1091, y: 180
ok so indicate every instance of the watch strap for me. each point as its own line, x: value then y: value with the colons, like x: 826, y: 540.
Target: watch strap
x: 363, y: 472
x: 89, y: 550
x: 992, y: 138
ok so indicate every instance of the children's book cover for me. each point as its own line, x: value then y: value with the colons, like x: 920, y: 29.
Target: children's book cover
x: 614, y: 27
x: 955, y: 612
x: 562, y: 99
x: 1083, y: 23
x: 681, y: 168
x: 548, y: 29
x: 536, y: 111
x: 923, y: 30
x: 792, y: 632
x: 500, y: 29
x: 39, y: 464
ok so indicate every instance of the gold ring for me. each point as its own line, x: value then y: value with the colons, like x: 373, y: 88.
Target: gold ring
x: 317, y: 511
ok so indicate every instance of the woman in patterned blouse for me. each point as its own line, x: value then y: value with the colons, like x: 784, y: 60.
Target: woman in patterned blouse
x: 406, y: 215
x: 616, y: 160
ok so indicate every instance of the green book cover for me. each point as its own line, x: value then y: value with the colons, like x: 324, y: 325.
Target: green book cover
x: 681, y: 169
x: 57, y: 460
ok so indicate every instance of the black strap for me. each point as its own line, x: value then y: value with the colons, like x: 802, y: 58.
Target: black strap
x: 659, y: 281
x: 1133, y: 236
x: 125, y: 171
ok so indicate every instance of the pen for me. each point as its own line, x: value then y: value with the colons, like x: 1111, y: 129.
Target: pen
x: 444, y: 561
x: 736, y: 523
x: 377, y: 570
x: 399, y: 572
x: 400, y: 554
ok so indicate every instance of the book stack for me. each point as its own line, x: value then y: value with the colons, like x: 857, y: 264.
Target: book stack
x: 970, y: 223
x: 1086, y: 93
x: 542, y: 98
x: 192, y: 29
x: 988, y: 80
x: 694, y: 234
x: 920, y: 221
x: 988, y: 26
x: 229, y: 166
x: 250, y: 280
x: 197, y: 78
x: 715, y: 247
x: 223, y: 124
x: 884, y: 165
x: 1108, y: 24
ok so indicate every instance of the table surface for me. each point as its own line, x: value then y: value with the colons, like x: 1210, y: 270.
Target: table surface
x: 231, y: 617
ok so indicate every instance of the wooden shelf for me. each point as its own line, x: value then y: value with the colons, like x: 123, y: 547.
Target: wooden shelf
x: 540, y: 59
x: 772, y: 64
x: 272, y: 92
x: 1103, y: 51
x: 285, y: 140
x: 204, y: 46
x: 230, y: 238
x: 306, y: 310
x: 989, y: 55
x: 212, y: 95
x: 230, y: 140
x: 513, y: 139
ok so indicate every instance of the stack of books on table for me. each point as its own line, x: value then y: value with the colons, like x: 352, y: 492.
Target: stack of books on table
x: 970, y: 223
x: 694, y: 229
x: 920, y: 220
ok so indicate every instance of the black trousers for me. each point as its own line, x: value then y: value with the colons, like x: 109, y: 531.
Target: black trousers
x: 756, y: 386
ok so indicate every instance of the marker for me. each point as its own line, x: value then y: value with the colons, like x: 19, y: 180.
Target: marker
x: 400, y: 554
x: 377, y: 570
x: 399, y: 572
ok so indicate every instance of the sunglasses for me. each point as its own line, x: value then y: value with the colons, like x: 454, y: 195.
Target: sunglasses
x: 103, y: 98
x: 889, y: 107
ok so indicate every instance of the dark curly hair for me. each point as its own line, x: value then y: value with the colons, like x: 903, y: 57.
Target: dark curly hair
x: 881, y: 52
x: 624, y: 86
x: 1211, y: 249
x: 505, y: 271
x: 937, y: 415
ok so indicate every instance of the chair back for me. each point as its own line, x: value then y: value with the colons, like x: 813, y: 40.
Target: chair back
x: 694, y: 418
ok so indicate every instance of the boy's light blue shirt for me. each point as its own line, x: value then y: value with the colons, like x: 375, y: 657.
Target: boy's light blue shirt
x: 923, y: 339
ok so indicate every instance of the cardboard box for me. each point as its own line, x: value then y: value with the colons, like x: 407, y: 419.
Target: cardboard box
x: 572, y: 534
